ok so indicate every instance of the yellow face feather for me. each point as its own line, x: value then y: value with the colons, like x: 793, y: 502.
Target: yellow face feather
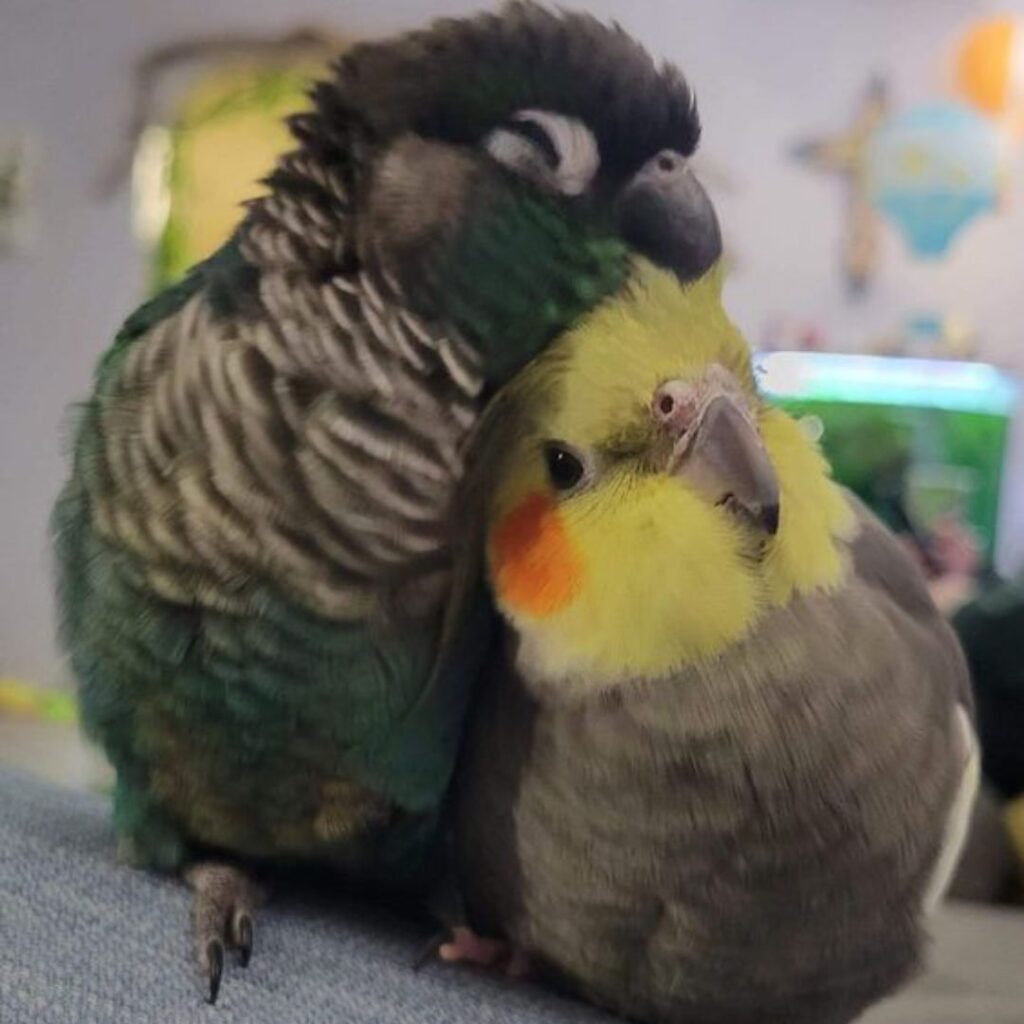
x: 633, y: 573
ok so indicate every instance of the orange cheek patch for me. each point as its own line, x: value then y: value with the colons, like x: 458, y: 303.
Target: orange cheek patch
x: 536, y: 568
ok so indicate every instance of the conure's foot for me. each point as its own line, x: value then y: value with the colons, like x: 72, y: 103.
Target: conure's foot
x: 465, y: 946
x: 225, y: 899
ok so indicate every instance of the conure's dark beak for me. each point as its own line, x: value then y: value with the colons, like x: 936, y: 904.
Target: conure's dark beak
x: 716, y: 447
x: 665, y: 214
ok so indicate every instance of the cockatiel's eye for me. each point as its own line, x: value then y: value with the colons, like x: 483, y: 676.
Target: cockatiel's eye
x: 566, y: 467
x: 557, y: 152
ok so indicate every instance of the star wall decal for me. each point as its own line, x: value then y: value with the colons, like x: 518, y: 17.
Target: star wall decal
x: 846, y: 155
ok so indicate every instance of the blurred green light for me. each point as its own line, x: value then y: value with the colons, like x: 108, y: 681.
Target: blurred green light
x: 883, y: 380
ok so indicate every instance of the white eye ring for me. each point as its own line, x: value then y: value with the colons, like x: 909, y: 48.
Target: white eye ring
x: 572, y: 143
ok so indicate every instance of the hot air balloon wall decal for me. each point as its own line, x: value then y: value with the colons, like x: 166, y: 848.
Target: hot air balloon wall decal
x: 931, y: 171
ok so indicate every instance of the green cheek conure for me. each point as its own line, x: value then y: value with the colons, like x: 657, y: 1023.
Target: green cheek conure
x: 257, y: 544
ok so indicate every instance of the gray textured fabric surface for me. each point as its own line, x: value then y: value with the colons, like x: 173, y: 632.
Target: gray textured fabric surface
x: 84, y: 940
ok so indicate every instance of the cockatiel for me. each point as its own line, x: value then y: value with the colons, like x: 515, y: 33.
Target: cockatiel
x: 255, y: 547
x: 726, y: 762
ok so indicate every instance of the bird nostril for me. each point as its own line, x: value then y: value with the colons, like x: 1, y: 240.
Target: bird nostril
x: 666, y: 404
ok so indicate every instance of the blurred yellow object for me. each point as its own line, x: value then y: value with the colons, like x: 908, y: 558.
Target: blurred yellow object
x: 18, y: 698
x: 226, y: 136
x: 990, y: 71
x: 984, y: 64
x: 1015, y: 823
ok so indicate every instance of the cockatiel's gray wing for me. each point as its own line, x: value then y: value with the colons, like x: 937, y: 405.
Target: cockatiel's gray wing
x: 759, y: 834
x: 882, y: 563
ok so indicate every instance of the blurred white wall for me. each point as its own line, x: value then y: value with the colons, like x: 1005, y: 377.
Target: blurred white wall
x: 768, y: 72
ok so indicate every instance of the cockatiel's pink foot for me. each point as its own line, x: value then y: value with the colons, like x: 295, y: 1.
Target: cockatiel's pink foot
x: 225, y: 901
x: 465, y: 946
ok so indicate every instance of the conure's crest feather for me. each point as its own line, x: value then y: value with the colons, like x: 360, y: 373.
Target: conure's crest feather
x: 458, y: 79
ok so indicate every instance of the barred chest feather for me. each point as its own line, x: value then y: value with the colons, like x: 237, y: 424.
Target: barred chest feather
x: 311, y: 439
x: 256, y: 543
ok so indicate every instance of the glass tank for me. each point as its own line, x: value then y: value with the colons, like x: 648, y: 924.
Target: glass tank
x: 918, y: 440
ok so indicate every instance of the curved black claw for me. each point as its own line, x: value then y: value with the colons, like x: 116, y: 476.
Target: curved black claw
x: 215, y: 962
x: 222, y: 914
x: 243, y: 937
x: 430, y: 948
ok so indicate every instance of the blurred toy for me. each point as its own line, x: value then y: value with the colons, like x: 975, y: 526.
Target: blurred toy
x: 929, y: 336
x: 18, y: 698
x: 783, y: 333
x: 207, y: 124
x: 158, y: 78
x: 951, y: 558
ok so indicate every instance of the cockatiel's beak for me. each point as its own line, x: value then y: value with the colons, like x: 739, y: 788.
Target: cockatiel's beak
x: 716, y: 447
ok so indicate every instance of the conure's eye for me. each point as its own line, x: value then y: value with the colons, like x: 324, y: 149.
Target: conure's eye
x: 565, y: 467
x: 557, y: 152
